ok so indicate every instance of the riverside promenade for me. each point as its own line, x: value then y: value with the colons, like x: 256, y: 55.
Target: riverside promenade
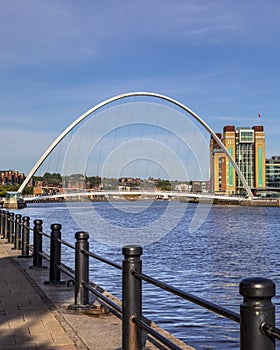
x: 35, y: 316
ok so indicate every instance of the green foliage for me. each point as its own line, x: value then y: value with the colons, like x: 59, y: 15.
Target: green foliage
x: 38, y: 178
x: 9, y: 188
x: 54, y: 178
x: 93, y: 181
x: 164, y: 185
x: 28, y: 190
x: 13, y: 188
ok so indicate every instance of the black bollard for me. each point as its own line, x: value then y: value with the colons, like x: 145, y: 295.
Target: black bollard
x: 25, y: 238
x: 55, y: 255
x: 256, y: 309
x: 37, y: 244
x: 12, y: 228
x: 7, y: 225
x: 2, y: 223
x: 132, y: 298
x: 81, y: 272
x: 17, y: 235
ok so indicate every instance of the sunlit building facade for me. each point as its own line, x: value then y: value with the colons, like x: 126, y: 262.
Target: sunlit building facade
x: 11, y: 177
x: 273, y: 172
x: 247, y: 148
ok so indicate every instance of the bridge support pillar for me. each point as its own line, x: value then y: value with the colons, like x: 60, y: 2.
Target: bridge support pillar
x: 13, y: 200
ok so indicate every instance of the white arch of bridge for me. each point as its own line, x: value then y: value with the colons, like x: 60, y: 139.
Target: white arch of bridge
x: 134, y: 94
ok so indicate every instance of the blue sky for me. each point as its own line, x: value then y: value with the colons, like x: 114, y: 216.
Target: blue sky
x: 58, y: 58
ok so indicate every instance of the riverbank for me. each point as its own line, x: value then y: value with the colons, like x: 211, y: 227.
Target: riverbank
x: 264, y: 202
x: 269, y: 202
x: 256, y: 202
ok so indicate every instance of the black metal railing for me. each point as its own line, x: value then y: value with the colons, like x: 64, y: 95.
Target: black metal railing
x: 257, y: 312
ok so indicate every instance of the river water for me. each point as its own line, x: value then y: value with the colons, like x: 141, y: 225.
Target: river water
x: 230, y: 243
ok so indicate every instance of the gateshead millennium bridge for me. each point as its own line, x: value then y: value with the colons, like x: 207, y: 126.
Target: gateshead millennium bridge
x: 124, y: 118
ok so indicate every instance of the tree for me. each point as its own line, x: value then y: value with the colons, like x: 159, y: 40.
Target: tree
x: 164, y: 185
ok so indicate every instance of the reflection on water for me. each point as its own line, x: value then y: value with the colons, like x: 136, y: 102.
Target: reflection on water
x: 231, y: 244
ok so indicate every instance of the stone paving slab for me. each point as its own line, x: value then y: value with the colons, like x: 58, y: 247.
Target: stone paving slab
x: 26, y: 322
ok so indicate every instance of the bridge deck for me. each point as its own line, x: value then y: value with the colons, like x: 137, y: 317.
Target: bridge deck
x: 136, y: 193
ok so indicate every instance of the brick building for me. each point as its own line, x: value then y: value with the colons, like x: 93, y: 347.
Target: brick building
x: 11, y: 177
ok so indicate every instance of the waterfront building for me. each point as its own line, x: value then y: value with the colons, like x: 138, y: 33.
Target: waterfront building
x: 129, y: 184
x: 11, y: 177
x: 200, y: 186
x: 247, y: 148
x: 273, y: 172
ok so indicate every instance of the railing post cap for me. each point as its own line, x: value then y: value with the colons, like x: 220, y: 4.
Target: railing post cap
x: 26, y: 218
x: 255, y: 287
x: 81, y: 235
x: 18, y: 215
x: 56, y: 226
x: 132, y: 250
x: 38, y: 222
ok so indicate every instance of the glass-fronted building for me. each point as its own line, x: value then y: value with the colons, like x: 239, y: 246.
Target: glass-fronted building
x: 247, y: 148
x: 273, y: 172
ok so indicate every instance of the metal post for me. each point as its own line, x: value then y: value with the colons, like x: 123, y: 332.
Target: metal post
x: 132, y: 298
x: 7, y: 225
x: 25, y: 238
x: 37, y: 243
x: 12, y: 228
x: 81, y: 268
x: 55, y: 255
x: 81, y: 272
x: 2, y: 223
x: 256, y: 309
x: 17, y: 242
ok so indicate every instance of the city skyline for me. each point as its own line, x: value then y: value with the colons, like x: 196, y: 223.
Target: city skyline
x: 60, y: 58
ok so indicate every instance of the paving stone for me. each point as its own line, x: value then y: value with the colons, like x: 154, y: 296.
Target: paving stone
x: 24, y: 317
